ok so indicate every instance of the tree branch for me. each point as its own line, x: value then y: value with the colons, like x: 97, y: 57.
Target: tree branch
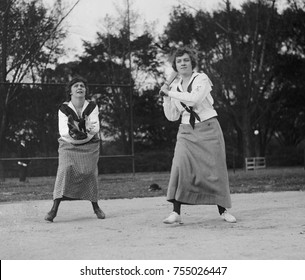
x: 46, y: 39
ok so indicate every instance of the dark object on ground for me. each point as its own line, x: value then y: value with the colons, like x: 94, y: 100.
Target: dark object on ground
x: 154, y: 187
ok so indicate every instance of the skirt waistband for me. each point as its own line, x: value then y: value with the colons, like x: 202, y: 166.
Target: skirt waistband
x: 198, y: 123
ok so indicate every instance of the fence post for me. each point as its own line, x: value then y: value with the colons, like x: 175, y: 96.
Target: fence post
x: 233, y: 161
x: 2, y: 177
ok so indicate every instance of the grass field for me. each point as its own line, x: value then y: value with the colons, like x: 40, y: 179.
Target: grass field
x: 113, y: 186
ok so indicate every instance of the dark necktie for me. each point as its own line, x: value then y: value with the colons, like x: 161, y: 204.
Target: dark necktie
x: 193, y: 115
x: 189, y: 109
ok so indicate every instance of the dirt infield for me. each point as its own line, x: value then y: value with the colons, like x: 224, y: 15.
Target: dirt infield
x: 269, y: 226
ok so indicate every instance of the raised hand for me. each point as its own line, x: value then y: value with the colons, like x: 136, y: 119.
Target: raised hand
x: 164, y: 90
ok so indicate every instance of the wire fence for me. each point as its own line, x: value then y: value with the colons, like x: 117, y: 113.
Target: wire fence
x: 32, y: 115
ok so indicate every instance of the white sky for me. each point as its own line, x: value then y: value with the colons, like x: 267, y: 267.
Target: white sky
x: 86, y: 18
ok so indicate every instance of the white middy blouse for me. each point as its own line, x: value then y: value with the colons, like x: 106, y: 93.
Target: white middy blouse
x: 199, y: 98
x: 64, y: 129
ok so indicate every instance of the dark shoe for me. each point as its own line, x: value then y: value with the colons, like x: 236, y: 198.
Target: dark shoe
x: 99, y: 213
x: 50, y: 216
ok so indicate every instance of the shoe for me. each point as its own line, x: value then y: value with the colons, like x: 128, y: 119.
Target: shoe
x: 173, y: 218
x: 50, y: 216
x: 99, y: 213
x: 228, y: 217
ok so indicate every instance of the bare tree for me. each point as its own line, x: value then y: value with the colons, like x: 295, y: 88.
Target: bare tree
x: 29, y: 40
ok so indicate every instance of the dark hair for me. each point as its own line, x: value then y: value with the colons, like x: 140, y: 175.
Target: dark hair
x: 74, y: 80
x: 180, y: 52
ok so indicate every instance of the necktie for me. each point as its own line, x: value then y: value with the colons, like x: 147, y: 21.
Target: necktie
x: 193, y: 115
x: 189, y: 109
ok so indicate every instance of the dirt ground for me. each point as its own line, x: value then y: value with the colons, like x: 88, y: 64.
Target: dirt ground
x: 269, y: 226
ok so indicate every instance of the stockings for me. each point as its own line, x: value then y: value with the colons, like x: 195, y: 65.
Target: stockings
x: 56, y: 204
x: 57, y: 201
x: 95, y: 206
x: 221, y: 209
x: 177, y: 207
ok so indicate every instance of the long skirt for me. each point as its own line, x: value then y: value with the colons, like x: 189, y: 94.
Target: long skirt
x: 77, y: 174
x: 199, y: 171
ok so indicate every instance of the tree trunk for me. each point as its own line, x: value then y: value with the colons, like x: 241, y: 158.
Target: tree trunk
x: 2, y: 128
x: 3, y: 63
x: 246, y: 134
x: 240, y: 153
x: 3, y: 66
x: 124, y: 141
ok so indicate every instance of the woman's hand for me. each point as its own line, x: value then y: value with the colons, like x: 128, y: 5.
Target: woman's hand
x: 89, y: 124
x: 74, y: 131
x: 164, y: 90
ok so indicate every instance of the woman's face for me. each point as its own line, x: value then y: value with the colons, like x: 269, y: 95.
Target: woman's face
x: 78, y: 90
x: 184, y: 64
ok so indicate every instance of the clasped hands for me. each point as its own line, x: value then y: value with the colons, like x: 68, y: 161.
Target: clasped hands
x: 89, y: 124
x: 79, y: 130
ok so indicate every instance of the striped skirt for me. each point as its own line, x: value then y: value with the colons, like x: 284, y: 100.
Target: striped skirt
x: 199, y: 171
x: 77, y: 174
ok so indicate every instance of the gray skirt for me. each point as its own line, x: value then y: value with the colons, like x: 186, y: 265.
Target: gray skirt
x: 199, y: 171
x: 77, y: 174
